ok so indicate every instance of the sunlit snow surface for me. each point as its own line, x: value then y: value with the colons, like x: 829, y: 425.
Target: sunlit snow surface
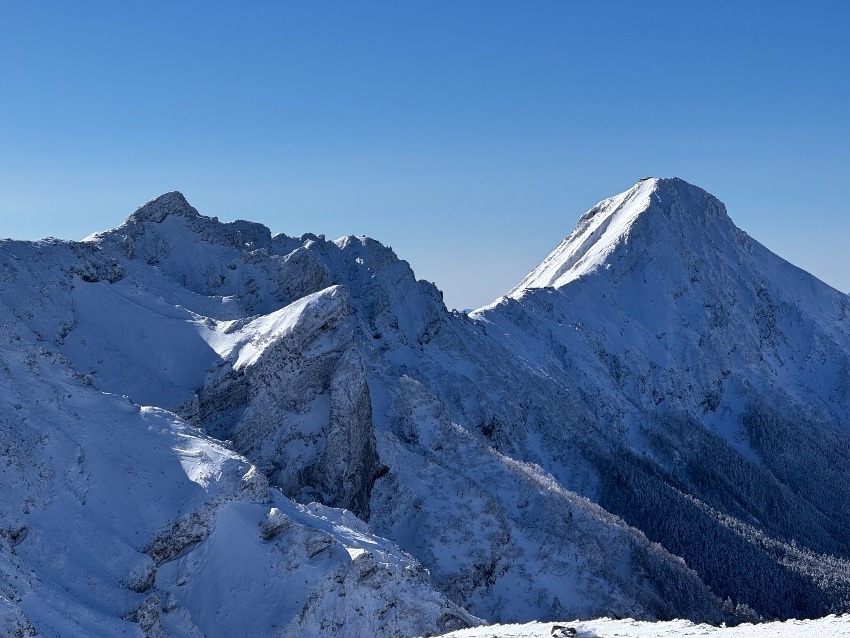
x: 829, y: 627
x: 597, y: 235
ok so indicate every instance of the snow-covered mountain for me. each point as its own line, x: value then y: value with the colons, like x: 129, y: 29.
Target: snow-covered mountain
x: 653, y: 424
x: 721, y: 374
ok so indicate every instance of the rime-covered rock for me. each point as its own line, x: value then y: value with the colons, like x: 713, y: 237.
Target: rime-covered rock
x: 293, y: 397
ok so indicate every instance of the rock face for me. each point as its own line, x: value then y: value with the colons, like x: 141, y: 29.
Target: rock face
x: 294, y: 398
x: 654, y: 423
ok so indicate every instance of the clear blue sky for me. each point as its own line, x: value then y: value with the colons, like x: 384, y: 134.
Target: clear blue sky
x: 467, y: 135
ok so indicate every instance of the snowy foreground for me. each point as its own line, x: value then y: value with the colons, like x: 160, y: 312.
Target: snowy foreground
x: 829, y: 627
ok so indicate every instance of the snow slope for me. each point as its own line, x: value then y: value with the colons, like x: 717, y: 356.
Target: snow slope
x: 597, y: 235
x: 90, y: 480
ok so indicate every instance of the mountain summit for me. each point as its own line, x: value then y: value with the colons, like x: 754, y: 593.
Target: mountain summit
x: 171, y: 203
x: 654, y: 210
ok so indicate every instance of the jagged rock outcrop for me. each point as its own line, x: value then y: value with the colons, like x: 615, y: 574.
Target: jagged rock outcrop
x: 293, y: 397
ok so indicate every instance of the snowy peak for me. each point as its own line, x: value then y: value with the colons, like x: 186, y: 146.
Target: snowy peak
x: 156, y: 210
x: 653, y: 212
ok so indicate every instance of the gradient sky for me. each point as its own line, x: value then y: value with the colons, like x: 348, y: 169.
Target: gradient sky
x: 469, y: 136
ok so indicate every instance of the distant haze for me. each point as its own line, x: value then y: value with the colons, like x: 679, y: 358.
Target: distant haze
x: 468, y: 136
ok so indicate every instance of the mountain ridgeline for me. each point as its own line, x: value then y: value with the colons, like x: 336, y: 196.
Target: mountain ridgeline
x: 653, y: 424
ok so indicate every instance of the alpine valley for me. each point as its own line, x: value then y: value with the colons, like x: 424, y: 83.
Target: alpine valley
x: 207, y: 430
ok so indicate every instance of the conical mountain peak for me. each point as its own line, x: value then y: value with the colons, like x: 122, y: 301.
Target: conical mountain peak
x: 171, y: 203
x: 655, y: 210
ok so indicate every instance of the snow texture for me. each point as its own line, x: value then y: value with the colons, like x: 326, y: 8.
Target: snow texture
x: 829, y: 627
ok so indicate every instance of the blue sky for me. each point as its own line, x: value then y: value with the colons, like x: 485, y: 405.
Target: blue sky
x: 469, y: 136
